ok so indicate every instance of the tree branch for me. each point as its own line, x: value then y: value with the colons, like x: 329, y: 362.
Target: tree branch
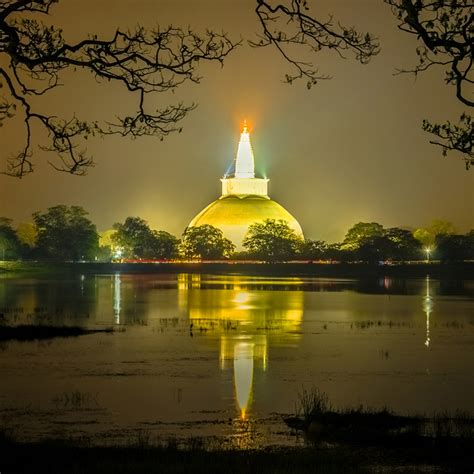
x: 143, y: 61
x: 288, y: 23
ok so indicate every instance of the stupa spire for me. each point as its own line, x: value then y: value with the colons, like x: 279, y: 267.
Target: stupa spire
x: 244, y: 161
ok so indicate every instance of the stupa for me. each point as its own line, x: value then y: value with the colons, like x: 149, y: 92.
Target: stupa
x: 244, y: 199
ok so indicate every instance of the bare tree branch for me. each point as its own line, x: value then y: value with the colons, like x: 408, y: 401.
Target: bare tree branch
x: 289, y: 23
x: 454, y: 137
x: 144, y: 61
x: 446, y: 31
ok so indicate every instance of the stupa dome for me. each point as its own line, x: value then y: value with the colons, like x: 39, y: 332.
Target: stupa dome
x: 244, y: 200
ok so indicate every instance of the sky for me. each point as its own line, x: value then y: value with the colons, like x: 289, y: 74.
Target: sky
x: 350, y: 149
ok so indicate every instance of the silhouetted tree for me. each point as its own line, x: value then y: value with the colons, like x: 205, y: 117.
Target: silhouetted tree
x: 10, y: 247
x: 272, y: 240
x: 361, y: 232
x: 403, y: 245
x: 65, y: 233
x: 374, y: 249
x: 137, y: 240
x: 161, y: 245
x: 131, y: 236
x: 142, y: 60
x: 206, y: 242
x: 427, y: 235
x: 27, y: 234
x: 313, y: 250
x: 336, y: 253
x: 370, y: 242
x: 454, y: 247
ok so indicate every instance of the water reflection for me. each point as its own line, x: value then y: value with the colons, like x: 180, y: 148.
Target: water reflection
x: 428, y: 308
x: 246, y: 322
x: 243, y: 374
x: 117, y: 297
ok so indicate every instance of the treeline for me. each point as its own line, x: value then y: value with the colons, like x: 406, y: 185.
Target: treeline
x: 65, y: 233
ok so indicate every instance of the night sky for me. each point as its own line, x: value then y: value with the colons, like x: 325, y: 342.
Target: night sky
x: 350, y: 149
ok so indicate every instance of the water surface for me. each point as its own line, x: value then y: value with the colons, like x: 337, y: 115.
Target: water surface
x: 223, y: 357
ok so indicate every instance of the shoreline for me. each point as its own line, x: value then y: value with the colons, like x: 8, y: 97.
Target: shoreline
x: 59, y: 456
x: 292, y: 269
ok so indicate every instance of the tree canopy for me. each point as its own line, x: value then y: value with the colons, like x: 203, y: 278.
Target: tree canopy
x: 206, y: 242
x: 66, y: 233
x: 370, y: 242
x: 360, y: 232
x: 136, y: 240
x: 427, y: 235
x: 9, y: 242
x: 272, y: 240
x: 454, y: 247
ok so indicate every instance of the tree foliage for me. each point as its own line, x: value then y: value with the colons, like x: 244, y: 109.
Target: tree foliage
x: 359, y: 233
x: 313, y: 249
x: 370, y: 242
x: 143, y: 61
x: 27, y: 234
x: 272, y: 240
x: 454, y: 247
x: 136, y: 240
x: 403, y: 244
x: 206, y: 242
x: 446, y: 32
x: 66, y: 233
x: 9, y: 243
x: 427, y: 235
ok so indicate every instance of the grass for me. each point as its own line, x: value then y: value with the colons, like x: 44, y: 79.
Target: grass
x: 32, y: 332
x: 74, y: 400
x: 142, y: 457
x: 355, y: 440
x: 442, y: 439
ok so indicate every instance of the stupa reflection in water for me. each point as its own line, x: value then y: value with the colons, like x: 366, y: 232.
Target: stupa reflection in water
x: 246, y: 323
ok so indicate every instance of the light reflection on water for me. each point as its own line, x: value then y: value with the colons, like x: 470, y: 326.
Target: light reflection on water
x: 246, y: 321
x: 428, y: 308
x: 198, y: 351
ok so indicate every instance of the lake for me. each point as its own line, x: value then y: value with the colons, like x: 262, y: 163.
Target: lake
x: 224, y: 357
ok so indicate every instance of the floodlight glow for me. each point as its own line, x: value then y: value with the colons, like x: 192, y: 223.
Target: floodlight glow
x: 245, y: 162
x: 428, y: 252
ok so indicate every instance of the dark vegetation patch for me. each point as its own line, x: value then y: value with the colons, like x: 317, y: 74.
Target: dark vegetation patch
x: 32, y: 332
x: 60, y: 457
x: 141, y: 456
x: 444, y: 440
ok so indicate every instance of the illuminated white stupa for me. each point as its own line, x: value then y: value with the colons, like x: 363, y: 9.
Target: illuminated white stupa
x: 244, y: 199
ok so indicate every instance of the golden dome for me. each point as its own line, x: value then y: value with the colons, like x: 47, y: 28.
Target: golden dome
x: 233, y: 214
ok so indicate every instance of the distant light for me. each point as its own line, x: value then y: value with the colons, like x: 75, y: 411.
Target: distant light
x: 428, y: 251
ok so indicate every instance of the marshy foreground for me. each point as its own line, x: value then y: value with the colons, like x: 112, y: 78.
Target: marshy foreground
x: 350, y: 440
